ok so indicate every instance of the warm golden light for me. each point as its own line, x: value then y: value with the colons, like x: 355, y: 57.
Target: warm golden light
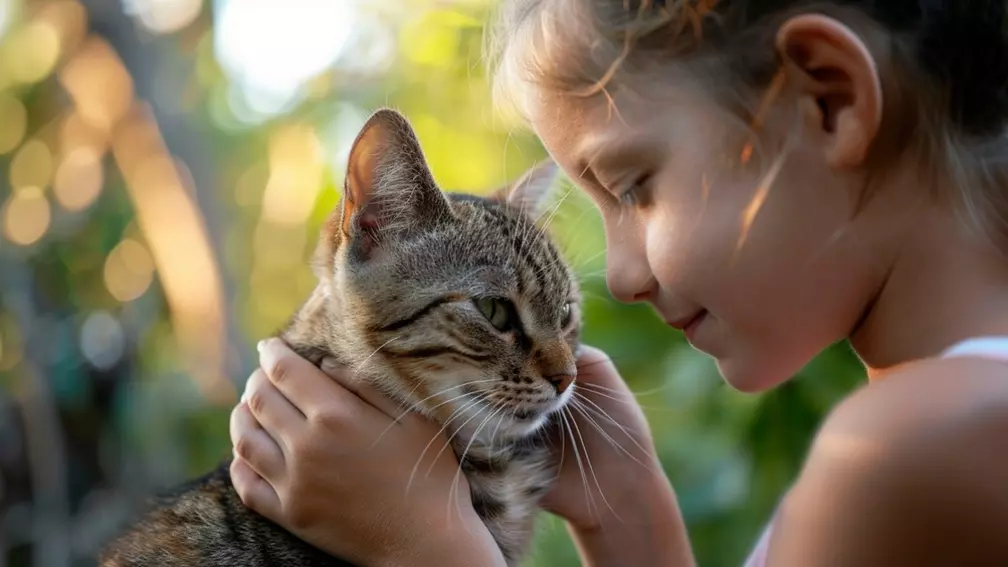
x: 129, y: 270
x: 250, y: 185
x: 32, y: 165
x: 14, y: 118
x: 98, y: 83
x: 75, y: 133
x: 78, y: 179
x: 69, y: 18
x: 295, y: 161
x: 179, y: 248
x: 279, y: 247
x: 30, y: 52
x: 26, y: 216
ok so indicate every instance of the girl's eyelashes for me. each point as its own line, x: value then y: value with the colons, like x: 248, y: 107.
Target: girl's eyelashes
x: 632, y: 194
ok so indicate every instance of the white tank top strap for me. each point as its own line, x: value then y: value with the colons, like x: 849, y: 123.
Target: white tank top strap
x: 995, y: 347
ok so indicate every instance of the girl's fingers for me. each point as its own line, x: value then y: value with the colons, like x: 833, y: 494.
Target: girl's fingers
x: 254, y: 446
x: 345, y: 377
x: 276, y: 415
x: 592, y: 362
x: 309, y: 389
x: 254, y: 491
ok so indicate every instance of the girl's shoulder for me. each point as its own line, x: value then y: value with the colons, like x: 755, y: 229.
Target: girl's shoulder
x: 927, y: 396
x: 907, y: 471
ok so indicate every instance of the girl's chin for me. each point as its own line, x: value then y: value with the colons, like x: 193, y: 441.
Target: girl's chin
x: 752, y: 377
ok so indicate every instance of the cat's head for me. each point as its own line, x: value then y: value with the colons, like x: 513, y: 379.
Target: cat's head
x: 461, y: 305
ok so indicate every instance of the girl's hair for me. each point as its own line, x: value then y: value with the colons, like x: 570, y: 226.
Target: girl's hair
x: 943, y: 65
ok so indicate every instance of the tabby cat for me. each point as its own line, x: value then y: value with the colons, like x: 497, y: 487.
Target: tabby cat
x: 457, y: 304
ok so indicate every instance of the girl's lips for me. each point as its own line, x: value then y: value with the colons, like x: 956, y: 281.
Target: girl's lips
x: 684, y: 322
x: 691, y: 327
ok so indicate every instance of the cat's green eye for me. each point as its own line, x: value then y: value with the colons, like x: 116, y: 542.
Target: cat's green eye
x: 565, y: 315
x: 497, y: 311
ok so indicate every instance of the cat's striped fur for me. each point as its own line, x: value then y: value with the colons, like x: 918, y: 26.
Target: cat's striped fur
x: 458, y: 306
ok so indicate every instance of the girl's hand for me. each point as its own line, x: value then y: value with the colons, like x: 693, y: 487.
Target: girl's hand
x: 609, y: 467
x: 323, y: 456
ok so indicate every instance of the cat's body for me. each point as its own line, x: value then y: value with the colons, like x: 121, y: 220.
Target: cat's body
x: 456, y: 306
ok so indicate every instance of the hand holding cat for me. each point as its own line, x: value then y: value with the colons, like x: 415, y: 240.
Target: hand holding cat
x: 326, y: 458
x: 611, y: 488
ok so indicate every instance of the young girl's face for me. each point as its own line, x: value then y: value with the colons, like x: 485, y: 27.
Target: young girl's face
x: 762, y: 271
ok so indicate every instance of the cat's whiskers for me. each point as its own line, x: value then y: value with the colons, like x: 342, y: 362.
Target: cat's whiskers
x: 365, y: 361
x: 554, y: 210
x: 462, y: 457
x: 574, y: 236
x: 450, y: 438
x: 583, y: 410
x: 586, y: 277
x: 577, y: 264
x: 529, y: 233
x: 458, y: 411
x: 500, y: 421
x: 622, y: 400
x: 642, y: 393
x: 440, y: 392
x: 563, y: 446
x: 589, y: 500
x: 414, y: 406
x: 599, y: 411
x: 591, y: 468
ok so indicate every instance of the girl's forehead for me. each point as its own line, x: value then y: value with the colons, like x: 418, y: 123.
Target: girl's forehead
x: 600, y: 132
x: 574, y: 129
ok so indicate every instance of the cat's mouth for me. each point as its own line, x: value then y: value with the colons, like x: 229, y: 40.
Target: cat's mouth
x: 528, y: 414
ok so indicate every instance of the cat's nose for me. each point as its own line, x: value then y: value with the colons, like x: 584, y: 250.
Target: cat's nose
x: 561, y: 381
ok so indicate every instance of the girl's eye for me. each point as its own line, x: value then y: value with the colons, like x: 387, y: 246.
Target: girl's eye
x: 631, y: 194
x: 498, y: 312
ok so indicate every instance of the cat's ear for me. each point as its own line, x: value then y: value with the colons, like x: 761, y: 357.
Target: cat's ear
x: 530, y: 192
x: 389, y: 190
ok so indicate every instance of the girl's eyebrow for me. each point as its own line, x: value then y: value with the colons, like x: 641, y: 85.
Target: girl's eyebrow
x: 608, y: 154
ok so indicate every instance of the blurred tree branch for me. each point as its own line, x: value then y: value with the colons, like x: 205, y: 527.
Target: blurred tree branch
x: 160, y: 77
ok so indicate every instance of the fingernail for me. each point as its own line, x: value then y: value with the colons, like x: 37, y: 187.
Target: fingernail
x: 329, y: 365
x: 260, y: 345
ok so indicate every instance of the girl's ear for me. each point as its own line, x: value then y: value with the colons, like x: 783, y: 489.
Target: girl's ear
x: 531, y: 191
x: 838, y: 80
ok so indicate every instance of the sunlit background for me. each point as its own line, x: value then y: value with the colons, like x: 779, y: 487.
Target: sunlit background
x: 165, y: 167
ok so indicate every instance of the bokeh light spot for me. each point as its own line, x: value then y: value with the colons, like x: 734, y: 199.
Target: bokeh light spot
x: 164, y: 16
x: 14, y: 118
x: 32, y: 165
x: 78, y: 179
x: 102, y: 341
x: 129, y: 270
x: 76, y: 133
x: 26, y: 216
x: 295, y: 161
x: 306, y: 37
x: 30, y: 52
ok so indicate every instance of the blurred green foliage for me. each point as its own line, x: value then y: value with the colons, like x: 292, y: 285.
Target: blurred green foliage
x: 97, y: 356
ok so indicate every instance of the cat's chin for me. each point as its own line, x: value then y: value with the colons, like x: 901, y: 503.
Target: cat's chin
x: 517, y: 428
x: 495, y: 430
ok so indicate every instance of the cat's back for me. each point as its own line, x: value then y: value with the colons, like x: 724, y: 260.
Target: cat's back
x: 204, y: 523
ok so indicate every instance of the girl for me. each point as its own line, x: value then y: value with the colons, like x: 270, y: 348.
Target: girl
x: 774, y: 176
